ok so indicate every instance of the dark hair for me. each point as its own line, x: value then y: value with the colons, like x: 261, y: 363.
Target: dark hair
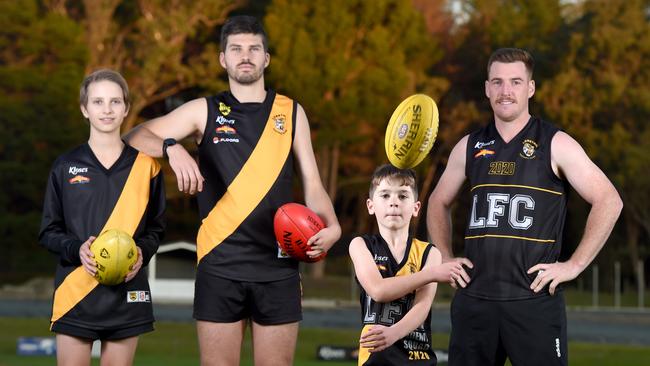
x: 241, y: 24
x: 100, y: 75
x: 510, y: 55
x: 404, y: 177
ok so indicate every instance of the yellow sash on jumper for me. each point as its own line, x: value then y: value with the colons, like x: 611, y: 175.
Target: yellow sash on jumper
x: 415, y: 258
x: 249, y: 186
x: 126, y: 215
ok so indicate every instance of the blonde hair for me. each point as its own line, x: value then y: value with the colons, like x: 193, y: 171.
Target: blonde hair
x: 100, y: 75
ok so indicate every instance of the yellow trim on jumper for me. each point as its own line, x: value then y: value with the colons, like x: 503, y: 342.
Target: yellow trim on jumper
x: 517, y: 186
x: 510, y: 237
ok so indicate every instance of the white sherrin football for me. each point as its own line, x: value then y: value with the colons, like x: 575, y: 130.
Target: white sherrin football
x: 411, y: 131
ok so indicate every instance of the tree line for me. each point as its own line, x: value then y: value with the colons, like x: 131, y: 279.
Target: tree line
x: 349, y: 63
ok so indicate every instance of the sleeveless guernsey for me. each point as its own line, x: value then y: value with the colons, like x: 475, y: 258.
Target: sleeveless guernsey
x: 518, y: 209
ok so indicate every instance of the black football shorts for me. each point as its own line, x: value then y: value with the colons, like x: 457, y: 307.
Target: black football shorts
x: 528, y: 332
x: 221, y: 300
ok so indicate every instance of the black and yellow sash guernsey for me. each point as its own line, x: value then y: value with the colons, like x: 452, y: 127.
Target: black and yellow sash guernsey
x: 126, y: 215
x: 248, y: 188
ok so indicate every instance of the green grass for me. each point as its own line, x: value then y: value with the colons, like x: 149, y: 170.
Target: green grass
x: 339, y: 288
x: 175, y: 344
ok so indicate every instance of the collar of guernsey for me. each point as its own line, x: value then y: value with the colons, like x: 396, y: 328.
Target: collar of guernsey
x: 126, y: 215
x: 249, y: 187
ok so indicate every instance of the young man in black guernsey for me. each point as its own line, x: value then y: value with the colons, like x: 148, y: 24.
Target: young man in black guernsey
x: 519, y: 168
x: 248, y: 138
x: 101, y: 185
x: 397, y: 275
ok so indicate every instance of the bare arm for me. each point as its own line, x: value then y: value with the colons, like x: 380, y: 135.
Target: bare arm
x: 187, y: 120
x: 439, y: 210
x: 569, y: 159
x: 391, y: 288
x: 442, y: 197
x: 379, y: 337
x: 316, y: 197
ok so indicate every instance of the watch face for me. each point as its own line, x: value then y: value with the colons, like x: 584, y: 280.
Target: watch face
x: 167, y: 143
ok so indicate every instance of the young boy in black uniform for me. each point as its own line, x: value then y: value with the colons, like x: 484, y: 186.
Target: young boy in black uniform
x: 398, y: 276
x: 100, y: 185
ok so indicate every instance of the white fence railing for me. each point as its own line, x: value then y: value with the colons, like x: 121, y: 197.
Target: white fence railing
x: 618, y: 288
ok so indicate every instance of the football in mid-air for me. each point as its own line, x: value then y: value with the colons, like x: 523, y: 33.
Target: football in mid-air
x: 411, y: 131
x: 115, y: 253
x: 294, y: 224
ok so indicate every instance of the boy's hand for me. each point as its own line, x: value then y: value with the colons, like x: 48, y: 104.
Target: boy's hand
x: 87, y: 257
x: 452, y: 271
x: 136, y: 267
x: 378, y: 338
x: 323, y: 240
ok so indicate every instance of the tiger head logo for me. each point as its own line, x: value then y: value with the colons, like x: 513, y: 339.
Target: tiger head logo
x: 279, y: 123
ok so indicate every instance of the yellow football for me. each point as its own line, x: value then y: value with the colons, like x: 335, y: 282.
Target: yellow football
x: 411, y: 131
x: 115, y: 253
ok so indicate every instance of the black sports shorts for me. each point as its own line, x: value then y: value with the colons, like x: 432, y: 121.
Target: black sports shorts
x: 103, y: 334
x: 221, y: 300
x: 528, y: 332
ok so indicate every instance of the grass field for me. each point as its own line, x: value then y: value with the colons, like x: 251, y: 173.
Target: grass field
x: 340, y: 287
x: 175, y: 344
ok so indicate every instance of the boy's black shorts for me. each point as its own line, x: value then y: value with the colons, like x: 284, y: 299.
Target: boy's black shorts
x: 528, y: 332
x: 104, y: 334
x: 222, y: 300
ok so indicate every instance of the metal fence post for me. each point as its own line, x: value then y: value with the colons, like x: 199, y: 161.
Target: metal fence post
x: 641, y: 284
x: 594, y: 286
x: 617, y: 284
x: 353, y: 283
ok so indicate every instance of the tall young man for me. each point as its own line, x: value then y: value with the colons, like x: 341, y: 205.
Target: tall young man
x: 518, y: 167
x: 248, y: 138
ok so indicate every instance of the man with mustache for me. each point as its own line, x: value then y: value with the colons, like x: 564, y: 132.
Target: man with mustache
x: 519, y: 168
x: 247, y: 139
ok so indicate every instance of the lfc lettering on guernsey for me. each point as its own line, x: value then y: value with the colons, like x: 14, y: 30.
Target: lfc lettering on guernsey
x: 498, y: 204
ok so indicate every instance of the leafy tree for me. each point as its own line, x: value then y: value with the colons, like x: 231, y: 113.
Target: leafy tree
x: 491, y: 24
x: 481, y: 27
x: 42, y: 58
x: 600, y: 96
x: 162, y: 47
x: 350, y: 63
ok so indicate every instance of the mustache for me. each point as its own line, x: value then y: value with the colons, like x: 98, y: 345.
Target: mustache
x: 506, y: 100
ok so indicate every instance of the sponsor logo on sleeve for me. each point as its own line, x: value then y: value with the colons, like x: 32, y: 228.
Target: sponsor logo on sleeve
x: 217, y: 140
x: 480, y: 145
x: 221, y: 120
x: 75, y: 170
x: 224, y: 109
x: 485, y: 153
x: 79, y: 179
x: 226, y: 130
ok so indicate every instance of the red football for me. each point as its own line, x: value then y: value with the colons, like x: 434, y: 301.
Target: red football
x: 294, y: 224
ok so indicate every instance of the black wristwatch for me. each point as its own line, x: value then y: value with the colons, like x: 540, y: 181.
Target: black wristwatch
x: 167, y: 143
